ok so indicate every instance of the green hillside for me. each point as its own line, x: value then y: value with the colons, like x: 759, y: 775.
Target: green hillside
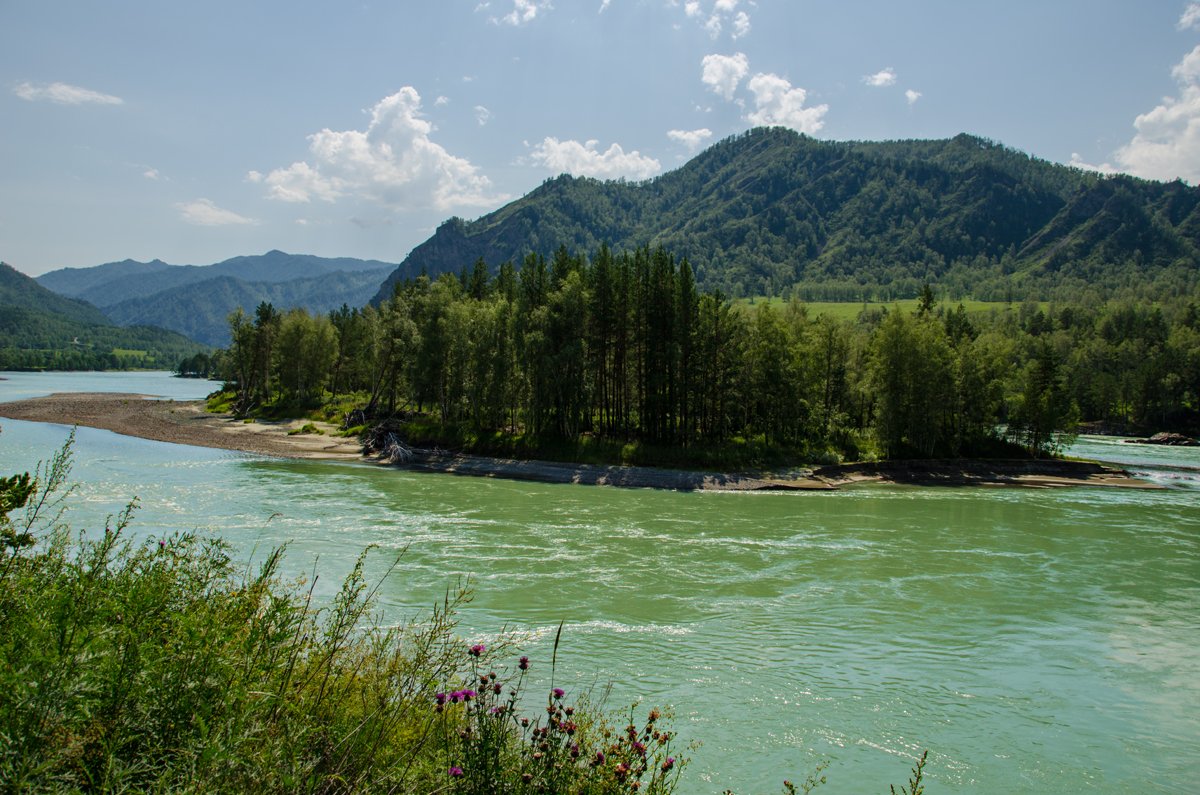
x: 772, y: 211
x: 42, y: 330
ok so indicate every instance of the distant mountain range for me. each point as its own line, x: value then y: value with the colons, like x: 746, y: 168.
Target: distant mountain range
x: 197, y: 300
x: 40, y: 329
x: 770, y: 209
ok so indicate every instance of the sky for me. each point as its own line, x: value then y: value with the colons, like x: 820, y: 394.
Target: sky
x: 195, y: 132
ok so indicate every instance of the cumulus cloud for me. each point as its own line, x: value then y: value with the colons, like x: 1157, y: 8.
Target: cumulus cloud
x: 723, y: 73
x: 882, y: 78
x: 203, y: 212
x: 394, y: 162
x: 1190, y: 17
x: 585, y: 160
x: 1166, y: 142
x: 778, y: 103
x: 692, y: 139
x: 65, y: 94
x: 912, y: 96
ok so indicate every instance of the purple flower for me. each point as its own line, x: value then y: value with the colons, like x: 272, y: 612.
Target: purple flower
x: 477, y: 650
x: 559, y: 692
x: 599, y: 760
x: 162, y: 544
x: 440, y: 698
x: 456, y: 771
x: 667, y: 765
x: 523, y: 663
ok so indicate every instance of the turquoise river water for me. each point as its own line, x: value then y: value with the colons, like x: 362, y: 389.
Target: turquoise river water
x: 1032, y: 640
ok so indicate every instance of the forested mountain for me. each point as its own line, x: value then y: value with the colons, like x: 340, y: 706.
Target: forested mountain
x: 196, y: 299
x: 115, y: 282
x: 771, y: 210
x: 40, y: 329
x: 201, y: 309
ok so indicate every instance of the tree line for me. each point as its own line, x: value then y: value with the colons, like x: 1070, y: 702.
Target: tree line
x: 623, y: 346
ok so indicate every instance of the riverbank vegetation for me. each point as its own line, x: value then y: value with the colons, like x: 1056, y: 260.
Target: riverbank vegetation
x: 621, y: 358
x: 161, y: 665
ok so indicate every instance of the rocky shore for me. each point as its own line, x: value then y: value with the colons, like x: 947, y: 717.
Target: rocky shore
x: 186, y: 422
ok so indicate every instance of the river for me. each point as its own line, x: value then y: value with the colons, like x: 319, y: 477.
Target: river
x: 1032, y: 640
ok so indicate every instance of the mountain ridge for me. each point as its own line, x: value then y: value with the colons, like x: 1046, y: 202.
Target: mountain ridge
x: 770, y: 209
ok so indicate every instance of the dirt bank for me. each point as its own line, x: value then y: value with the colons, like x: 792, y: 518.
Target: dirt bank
x: 186, y: 422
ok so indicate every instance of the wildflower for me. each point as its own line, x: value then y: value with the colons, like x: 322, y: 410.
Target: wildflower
x: 467, y: 695
x: 654, y: 715
x: 638, y: 748
x: 477, y: 650
x: 523, y: 663
x: 497, y: 689
x: 456, y: 771
x: 559, y: 692
x: 599, y: 760
x: 622, y: 770
x: 162, y: 544
x: 667, y: 765
x: 440, y: 698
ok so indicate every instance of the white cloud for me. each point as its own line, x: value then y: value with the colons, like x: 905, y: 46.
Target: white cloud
x: 203, y: 212
x: 604, y: 6
x: 585, y: 160
x: 64, y: 94
x: 523, y: 12
x: 1104, y: 168
x: 151, y: 173
x: 1190, y: 17
x: 723, y: 73
x: 1166, y: 144
x: 441, y: 100
x: 741, y: 24
x: 882, y: 78
x: 778, y: 103
x: 1188, y: 70
x: 692, y: 139
x: 912, y: 96
x: 482, y: 115
x: 393, y: 163
x: 722, y: 13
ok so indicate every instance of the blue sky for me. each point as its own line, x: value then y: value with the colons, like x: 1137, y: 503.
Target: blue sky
x: 194, y: 132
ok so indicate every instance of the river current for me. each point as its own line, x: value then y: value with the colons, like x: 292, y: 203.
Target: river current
x: 1032, y: 640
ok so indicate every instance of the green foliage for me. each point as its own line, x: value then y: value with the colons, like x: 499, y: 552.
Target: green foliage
x: 622, y: 360
x: 40, y: 330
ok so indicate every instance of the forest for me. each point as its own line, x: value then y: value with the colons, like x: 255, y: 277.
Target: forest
x: 622, y: 349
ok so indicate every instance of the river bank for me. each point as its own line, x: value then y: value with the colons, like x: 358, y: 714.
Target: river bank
x: 186, y: 422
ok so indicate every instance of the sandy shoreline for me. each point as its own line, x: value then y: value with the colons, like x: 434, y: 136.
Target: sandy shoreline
x: 186, y: 422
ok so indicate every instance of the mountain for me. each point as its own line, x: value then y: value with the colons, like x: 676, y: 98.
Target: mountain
x: 771, y: 209
x: 197, y: 300
x: 116, y: 282
x: 201, y: 309
x: 40, y: 329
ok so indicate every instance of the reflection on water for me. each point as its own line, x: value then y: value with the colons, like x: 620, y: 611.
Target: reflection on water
x: 1033, y: 640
